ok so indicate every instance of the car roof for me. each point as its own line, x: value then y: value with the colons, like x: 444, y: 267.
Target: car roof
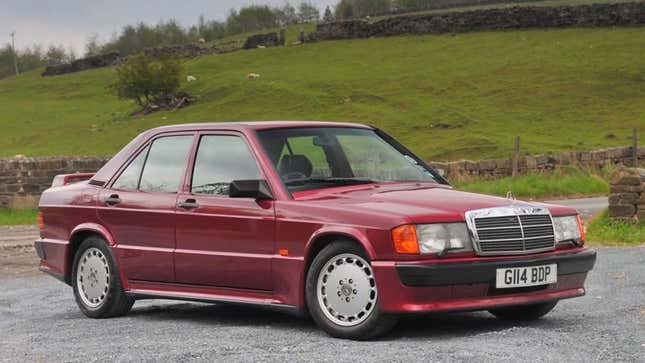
x: 252, y: 125
x: 111, y: 167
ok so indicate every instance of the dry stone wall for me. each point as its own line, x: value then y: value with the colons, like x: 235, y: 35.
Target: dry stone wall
x: 627, y: 195
x: 518, y: 17
x: 499, y: 168
x: 22, y: 179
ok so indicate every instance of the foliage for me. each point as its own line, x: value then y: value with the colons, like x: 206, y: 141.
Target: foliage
x: 329, y: 16
x: 18, y: 217
x: 32, y: 58
x: 134, y: 38
x: 146, y: 80
x: 308, y: 13
x: 446, y: 97
x: 564, y: 182
x: 604, y: 230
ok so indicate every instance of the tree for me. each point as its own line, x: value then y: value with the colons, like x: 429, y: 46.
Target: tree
x: 308, y: 13
x: 329, y: 16
x: 287, y: 15
x: 146, y: 80
x: 56, y: 55
x: 344, y: 10
x: 92, y: 45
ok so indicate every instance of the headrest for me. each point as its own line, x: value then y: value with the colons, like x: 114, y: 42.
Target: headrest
x: 295, y: 164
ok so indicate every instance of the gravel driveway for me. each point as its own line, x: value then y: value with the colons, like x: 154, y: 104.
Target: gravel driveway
x: 39, y: 321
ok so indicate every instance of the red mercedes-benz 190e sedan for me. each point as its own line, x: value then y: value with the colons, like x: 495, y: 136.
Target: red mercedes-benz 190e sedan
x: 336, y: 220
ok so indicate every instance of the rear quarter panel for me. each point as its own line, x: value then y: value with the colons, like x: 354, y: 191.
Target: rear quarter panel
x: 64, y: 209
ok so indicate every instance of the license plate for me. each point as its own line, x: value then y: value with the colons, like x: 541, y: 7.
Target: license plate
x: 526, y: 276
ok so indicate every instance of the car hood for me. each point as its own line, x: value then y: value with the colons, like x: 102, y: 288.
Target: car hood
x: 417, y: 203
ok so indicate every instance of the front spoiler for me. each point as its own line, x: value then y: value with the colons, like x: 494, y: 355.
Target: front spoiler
x: 485, y: 272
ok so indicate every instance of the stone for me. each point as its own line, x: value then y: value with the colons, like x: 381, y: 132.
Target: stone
x: 614, y: 198
x: 622, y: 210
x: 628, y: 198
x: 626, y: 188
x: 97, y: 61
x: 266, y: 40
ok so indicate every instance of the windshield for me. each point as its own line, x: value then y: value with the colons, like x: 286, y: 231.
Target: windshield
x: 313, y: 158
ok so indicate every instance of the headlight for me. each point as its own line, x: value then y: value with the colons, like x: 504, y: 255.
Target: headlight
x: 431, y: 238
x: 568, y: 228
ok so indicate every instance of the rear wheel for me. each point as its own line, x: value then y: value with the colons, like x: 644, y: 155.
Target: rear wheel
x: 342, y: 294
x: 524, y: 312
x: 97, y: 285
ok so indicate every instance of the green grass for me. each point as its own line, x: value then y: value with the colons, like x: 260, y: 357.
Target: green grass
x: 11, y: 217
x: 447, y: 97
x: 565, y: 182
x: 604, y: 231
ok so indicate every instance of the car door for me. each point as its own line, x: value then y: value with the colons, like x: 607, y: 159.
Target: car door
x: 222, y: 241
x: 139, y: 208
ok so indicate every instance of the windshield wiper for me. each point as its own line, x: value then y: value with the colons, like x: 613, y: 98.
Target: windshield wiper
x: 338, y: 181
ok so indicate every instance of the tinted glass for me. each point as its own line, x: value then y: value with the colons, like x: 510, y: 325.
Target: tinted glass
x: 129, y: 179
x: 312, y: 158
x: 220, y: 160
x: 165, y: 164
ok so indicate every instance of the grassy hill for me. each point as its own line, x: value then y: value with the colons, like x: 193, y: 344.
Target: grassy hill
x: 447, y: 97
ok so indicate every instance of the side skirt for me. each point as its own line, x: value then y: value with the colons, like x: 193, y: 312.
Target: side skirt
x: 141, y: 290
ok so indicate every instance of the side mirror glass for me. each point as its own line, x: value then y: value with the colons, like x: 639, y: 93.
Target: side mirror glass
x: 257, y: 189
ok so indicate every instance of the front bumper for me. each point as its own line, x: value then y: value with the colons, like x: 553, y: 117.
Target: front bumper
x: 469, y: 284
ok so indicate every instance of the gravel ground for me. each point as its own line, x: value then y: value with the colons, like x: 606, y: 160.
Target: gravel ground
x: 39, y: 321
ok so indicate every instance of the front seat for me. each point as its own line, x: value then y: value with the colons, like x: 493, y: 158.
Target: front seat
x: 295, y: 167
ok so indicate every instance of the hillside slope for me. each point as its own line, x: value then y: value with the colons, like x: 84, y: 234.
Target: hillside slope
x: 447, y: 97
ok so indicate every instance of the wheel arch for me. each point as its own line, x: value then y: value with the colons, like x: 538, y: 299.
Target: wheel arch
x: 79, y: 234
x: 324, y: 237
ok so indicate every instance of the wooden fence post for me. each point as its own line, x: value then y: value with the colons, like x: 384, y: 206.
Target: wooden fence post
x: 516, y: 158
x: 635, y: 149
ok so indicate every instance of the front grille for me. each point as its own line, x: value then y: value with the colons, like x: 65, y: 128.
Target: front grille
x: 512, y: 230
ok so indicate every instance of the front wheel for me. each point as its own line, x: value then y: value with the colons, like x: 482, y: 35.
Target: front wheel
x: 524, y: 312
x: 342, y: 294
x: 97, y: 285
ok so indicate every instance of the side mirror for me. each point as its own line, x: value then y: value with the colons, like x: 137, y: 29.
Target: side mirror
x: 258, y: 189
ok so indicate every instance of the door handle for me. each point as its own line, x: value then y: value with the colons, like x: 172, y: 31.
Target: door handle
x: 189, y: 204
x: 113, y: 200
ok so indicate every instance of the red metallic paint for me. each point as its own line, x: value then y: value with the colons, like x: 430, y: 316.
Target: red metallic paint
x: 228, y: 249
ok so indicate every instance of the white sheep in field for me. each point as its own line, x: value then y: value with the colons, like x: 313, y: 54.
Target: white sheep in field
x: 202, y: 40
x: 191, y: 79
x: 253, y: 76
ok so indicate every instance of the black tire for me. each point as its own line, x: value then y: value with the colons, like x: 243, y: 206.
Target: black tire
x: 375, y: 325
x: 115, y: 302
x: 524, y: 312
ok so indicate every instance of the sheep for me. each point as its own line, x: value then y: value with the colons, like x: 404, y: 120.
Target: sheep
x: 191, y: 79
x: 253, y: 76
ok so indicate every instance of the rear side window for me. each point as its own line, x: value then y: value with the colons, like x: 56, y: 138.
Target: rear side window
x: 129, y: 179
x: 164, y: 167
x: 220, y: 160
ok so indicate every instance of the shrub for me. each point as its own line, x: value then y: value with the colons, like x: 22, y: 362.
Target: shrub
x: 147, y: 81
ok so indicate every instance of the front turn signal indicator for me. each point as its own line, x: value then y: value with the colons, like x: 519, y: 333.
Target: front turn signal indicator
x: 41, y: 221
x: 405, y: 239
x: 583, y: 232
